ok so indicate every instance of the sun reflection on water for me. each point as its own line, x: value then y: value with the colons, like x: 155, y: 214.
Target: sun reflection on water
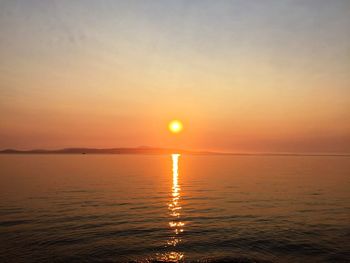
x: 174, y: 207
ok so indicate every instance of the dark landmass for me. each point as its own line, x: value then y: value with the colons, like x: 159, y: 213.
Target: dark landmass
x: 154, y: 151
x: 139, y: 150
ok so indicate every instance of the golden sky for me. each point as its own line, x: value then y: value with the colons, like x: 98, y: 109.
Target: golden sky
x: 251, y: 76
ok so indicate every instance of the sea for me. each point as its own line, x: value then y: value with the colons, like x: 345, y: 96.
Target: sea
x: 174, y: 208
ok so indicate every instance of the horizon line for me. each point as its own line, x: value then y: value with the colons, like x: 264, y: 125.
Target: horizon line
x: 159, y: 151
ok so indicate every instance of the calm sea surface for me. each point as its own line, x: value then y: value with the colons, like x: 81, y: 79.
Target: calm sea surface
x: 122, y: 208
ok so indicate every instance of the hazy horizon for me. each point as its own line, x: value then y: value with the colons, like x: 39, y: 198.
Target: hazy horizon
x: 242, y: 76
x: 182, y: 150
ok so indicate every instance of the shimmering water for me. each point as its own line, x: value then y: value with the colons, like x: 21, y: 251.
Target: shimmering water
x: 121, y: 208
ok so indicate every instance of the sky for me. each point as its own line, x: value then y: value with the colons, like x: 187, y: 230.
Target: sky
x: 242, y: 76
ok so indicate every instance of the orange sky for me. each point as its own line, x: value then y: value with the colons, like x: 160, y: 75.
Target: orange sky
x: 241, y: 75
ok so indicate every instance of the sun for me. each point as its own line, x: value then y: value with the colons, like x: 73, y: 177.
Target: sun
x: 175, y: 126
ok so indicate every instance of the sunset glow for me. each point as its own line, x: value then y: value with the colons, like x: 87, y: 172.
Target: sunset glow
x: 246, y: 76
x: 174, y: 131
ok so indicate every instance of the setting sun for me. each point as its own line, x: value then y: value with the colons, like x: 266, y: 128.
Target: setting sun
x: 175, y: 126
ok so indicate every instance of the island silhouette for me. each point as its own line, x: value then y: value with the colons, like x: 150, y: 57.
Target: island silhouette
x: 122, y: 150
x: 156, y: 151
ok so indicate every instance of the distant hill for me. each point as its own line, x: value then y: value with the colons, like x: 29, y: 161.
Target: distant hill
x: 154, y: 151
x: 138, y: 150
